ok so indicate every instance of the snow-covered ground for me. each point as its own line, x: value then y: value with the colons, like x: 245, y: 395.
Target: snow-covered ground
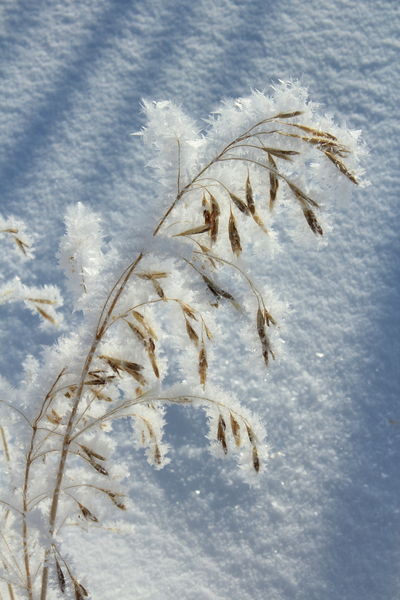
x: 324, y: 523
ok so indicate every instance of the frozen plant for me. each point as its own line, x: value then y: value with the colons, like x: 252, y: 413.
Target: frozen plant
x: 259, y: 159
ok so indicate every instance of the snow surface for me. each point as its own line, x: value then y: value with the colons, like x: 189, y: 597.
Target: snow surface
x: 325, y: 519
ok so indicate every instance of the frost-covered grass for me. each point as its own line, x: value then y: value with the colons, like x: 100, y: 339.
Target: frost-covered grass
x: 149, y: 315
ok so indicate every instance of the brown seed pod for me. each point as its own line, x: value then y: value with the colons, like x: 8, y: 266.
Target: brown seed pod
x: 100, y: 395
x: 191, y: 333
x: 235, y: 427
x: 316, y: 132
x: 60, y: 577
x: 256, y: 459
x: 341, y: 166
x: 234, y: 237
x: 153, y: 275
x: 280, y: 153
x: 312, y: 221
x: 157, y: 455
x: 114, y: 497
x: 195, y: 230
x: 54, y: 417
x: 214, y: 219
x: 216, y: 290
x: 304, y: 200
x: 239, y: 204
x: 221, y: 434
x: 249, y: 196
x: 296, y: 113
x: 91, y: 453
x: 98, y: 467
x: 158, y: 289
x: 250, y: 434
x: 80, y: 591
x: 139, y: 317
x: 273, y: 182
x: 89, y: 516
x: 129, y: 367
x: 203, y: 365
x: 265, y: 343
x: 188, y: 310
x: 269, y: 319
x: 150, y: 347
x: 21, y: 245
x: 206, y: 210
x: 42, y: 300
x: 138, y: 332
x: 45, y: 315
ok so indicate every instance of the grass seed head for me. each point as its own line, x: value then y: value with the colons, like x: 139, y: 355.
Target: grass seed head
x: 80, y: 591
x: 312, y: 221
x: 191, y: 333
x: 203, y: 364
x: 234, y: 236
x: 221, y: 434
x: 256, y: 460
x: 341, y: 166
x: 89, y: 516
x: 235, y: 427
x: 239, y: 204
x: 249, y: 196
x: 273, y: 182
x: 214, y: 219
x: 60, y: 577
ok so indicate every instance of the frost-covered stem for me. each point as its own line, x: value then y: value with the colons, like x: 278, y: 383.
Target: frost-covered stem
x: 192, y: 182
x: 104, y: 318
x: 25, y: 501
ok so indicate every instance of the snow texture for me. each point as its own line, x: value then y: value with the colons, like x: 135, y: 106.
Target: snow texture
x: 324, y: 521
